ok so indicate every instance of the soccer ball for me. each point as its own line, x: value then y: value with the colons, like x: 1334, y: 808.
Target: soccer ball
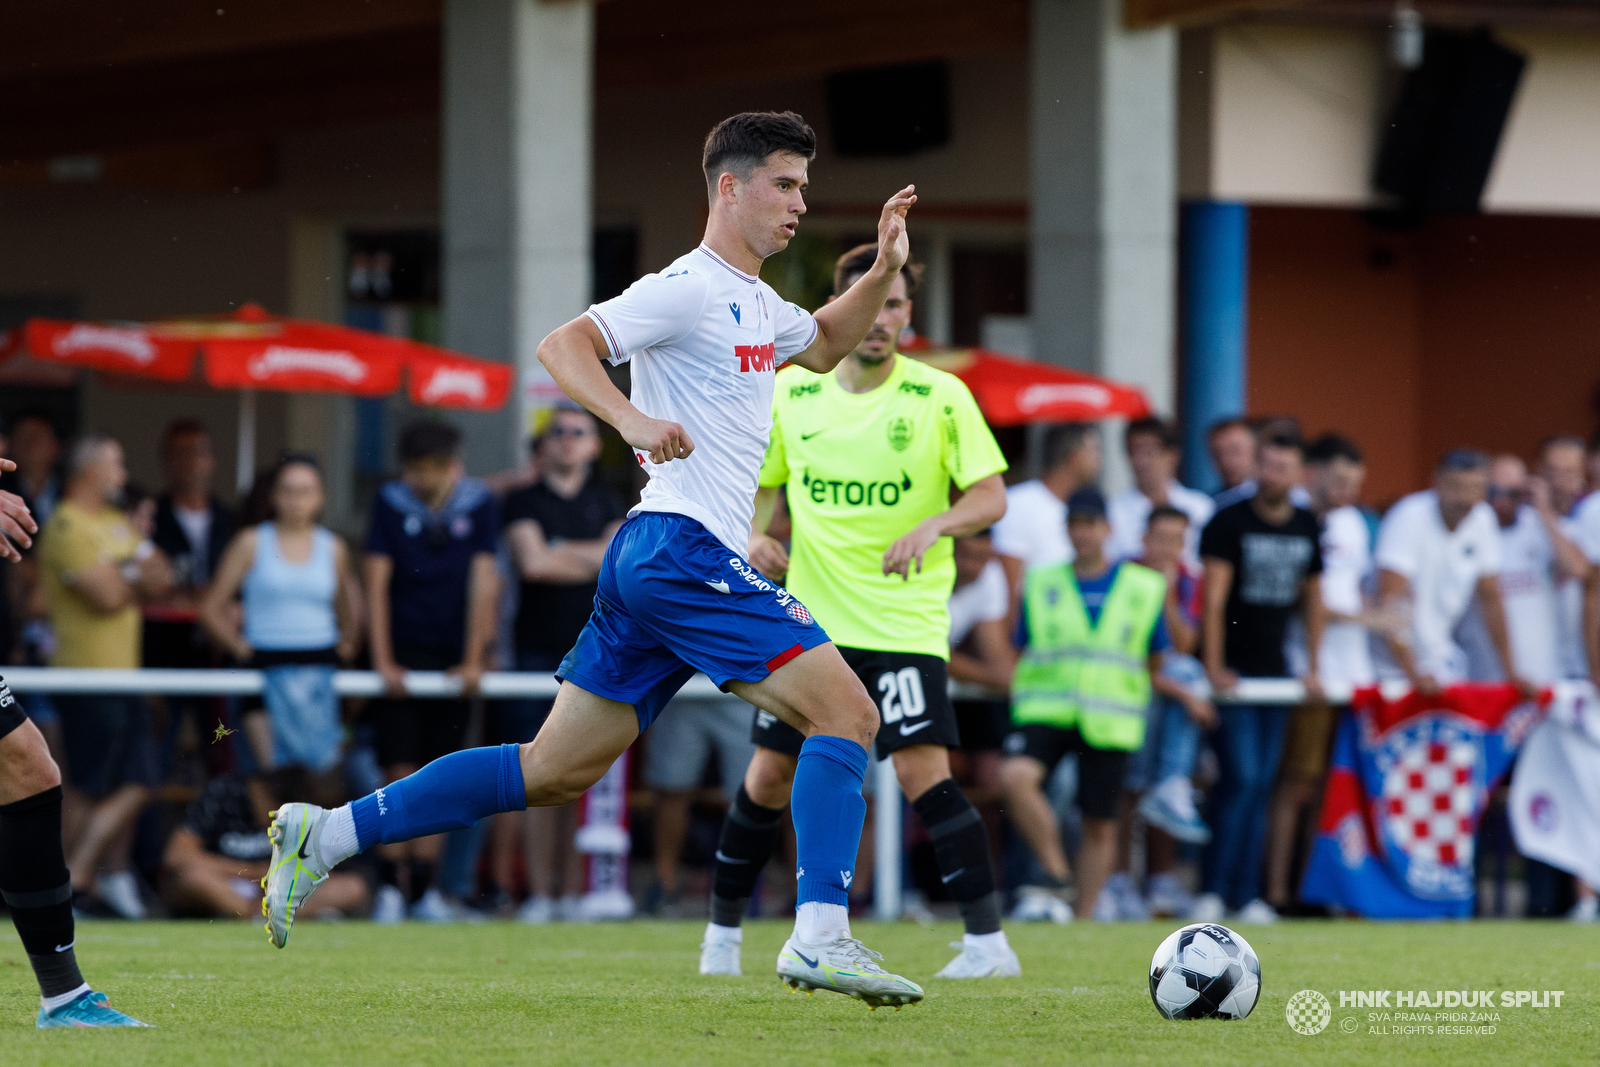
x: 1205, y: 971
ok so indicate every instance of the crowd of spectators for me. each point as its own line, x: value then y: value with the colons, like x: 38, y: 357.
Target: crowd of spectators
x: 1489, y: 575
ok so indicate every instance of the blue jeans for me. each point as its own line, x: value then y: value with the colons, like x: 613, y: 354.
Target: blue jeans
x: 1249, y: 746
x: 1171, y: 738
x: 304, y: 711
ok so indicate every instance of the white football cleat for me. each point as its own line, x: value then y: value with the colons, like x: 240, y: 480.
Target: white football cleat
x: 719, y: 953
x: 296, y: 869
x: 978, y: 961
x: 1037, y: 904
x: 846, y: 966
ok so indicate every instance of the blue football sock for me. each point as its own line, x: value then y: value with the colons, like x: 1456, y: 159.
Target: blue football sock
x: 450, y: 793
x: 828, y: 812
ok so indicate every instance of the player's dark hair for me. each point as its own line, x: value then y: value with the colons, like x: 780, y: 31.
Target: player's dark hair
x: 1287, y: 441
x: 1223, y: 425
x: 295, y: 459
x: 740, y: 144
x: 1167, y: 511
x: 856, y: 262
x: 1163, y: 431
x: 1276, y: 426
x: 36, y: 414
x: 429, y: 439
x: 1332, y: 446
x: 1463, y: 459
x: 181, y: 428
x: 1062, y: 442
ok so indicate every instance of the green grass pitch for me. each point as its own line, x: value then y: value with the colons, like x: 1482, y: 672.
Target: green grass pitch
x: 628, y: 994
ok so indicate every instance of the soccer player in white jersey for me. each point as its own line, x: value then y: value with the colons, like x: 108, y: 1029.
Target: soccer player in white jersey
x: 705, y: 337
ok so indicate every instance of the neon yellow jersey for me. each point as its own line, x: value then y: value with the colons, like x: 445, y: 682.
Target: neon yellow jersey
x: 862, y: 469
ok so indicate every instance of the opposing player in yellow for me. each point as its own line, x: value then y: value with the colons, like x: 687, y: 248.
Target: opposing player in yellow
x: 869, y: 453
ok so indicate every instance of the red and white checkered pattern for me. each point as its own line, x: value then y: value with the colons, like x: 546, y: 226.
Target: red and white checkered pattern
x: 1427, y: 801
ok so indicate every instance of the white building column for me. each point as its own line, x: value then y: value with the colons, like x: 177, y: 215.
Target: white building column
x: 1103, y: 199
x: 517, y: 198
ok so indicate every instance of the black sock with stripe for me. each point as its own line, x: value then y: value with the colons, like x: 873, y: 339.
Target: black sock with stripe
x: 749, y: 834
x: 961, y: 847
x: 38, y: 889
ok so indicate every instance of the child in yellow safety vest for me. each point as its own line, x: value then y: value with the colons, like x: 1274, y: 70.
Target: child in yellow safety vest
x: 1091, y: 636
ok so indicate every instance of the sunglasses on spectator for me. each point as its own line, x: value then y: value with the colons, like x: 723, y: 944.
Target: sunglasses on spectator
x: 1498, y: 491
x: 568, y: 431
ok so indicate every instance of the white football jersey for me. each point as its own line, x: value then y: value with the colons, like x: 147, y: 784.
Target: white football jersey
x: 705, y: 340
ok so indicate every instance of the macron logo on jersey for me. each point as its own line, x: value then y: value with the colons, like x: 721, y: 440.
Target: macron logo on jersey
x: 735, y: 309
x: 755, y: 357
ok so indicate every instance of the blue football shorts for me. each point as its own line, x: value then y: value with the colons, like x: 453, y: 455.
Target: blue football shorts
x: 673, y: 600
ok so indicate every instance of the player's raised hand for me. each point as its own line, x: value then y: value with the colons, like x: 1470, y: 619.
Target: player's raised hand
x: 660, y: 440
x: 894, y: 244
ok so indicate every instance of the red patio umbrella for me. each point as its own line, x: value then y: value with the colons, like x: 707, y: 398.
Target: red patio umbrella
x: 1013, y: 392
x: 250, y: 349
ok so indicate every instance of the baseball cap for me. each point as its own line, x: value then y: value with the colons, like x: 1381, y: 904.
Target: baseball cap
x: 1087, y: 504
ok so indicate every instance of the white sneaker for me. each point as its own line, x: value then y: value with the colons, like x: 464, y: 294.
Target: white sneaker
x: 434, y: 908
x: 1125, y: 899
x: 846, y: 966
x: 719, y: 953
x: 536, y: 911
x: 1257, y: 913
x: 1208, y: 908
x: 389, y: 907
x: 1168, y: 896
x: 1036, y: 904
x: 605, y: 906
x: 914, y: 907
x: 1586, y: 910
x: 120, y: 891
x: 569, y: 909
x: 978, y: 961
x: 1170, y: 807
x: 1105, y: 907
x: 296, y: 869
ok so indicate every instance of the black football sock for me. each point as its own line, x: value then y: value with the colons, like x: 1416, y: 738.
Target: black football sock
x: 961, y: 847
x: 421, y: 878
x: 389, y: 873
x: 748, y: 835
x: 38, y: 889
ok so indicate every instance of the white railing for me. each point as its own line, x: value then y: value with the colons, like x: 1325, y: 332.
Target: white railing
x: 514, y: 684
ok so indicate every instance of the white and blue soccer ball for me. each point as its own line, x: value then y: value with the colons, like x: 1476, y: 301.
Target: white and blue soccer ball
x: 1205, y: 971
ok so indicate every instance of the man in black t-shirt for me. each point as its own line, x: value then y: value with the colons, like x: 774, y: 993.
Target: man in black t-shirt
x: 215, y: 861
x: 1263, y: 559
x: 557, y: 529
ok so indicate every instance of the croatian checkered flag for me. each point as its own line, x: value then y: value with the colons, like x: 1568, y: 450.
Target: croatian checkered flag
x: 1406, y: 785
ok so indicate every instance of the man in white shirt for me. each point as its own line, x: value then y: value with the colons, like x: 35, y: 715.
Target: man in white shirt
x: 1152, y: 446
x: 676, y: 594
x: 1562, y: 467
x: 1534, y: 554
x: 1435, y: 550
x: 1033, y: 532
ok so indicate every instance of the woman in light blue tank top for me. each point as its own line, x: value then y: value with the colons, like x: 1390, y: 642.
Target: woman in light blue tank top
x: 300, y: 619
